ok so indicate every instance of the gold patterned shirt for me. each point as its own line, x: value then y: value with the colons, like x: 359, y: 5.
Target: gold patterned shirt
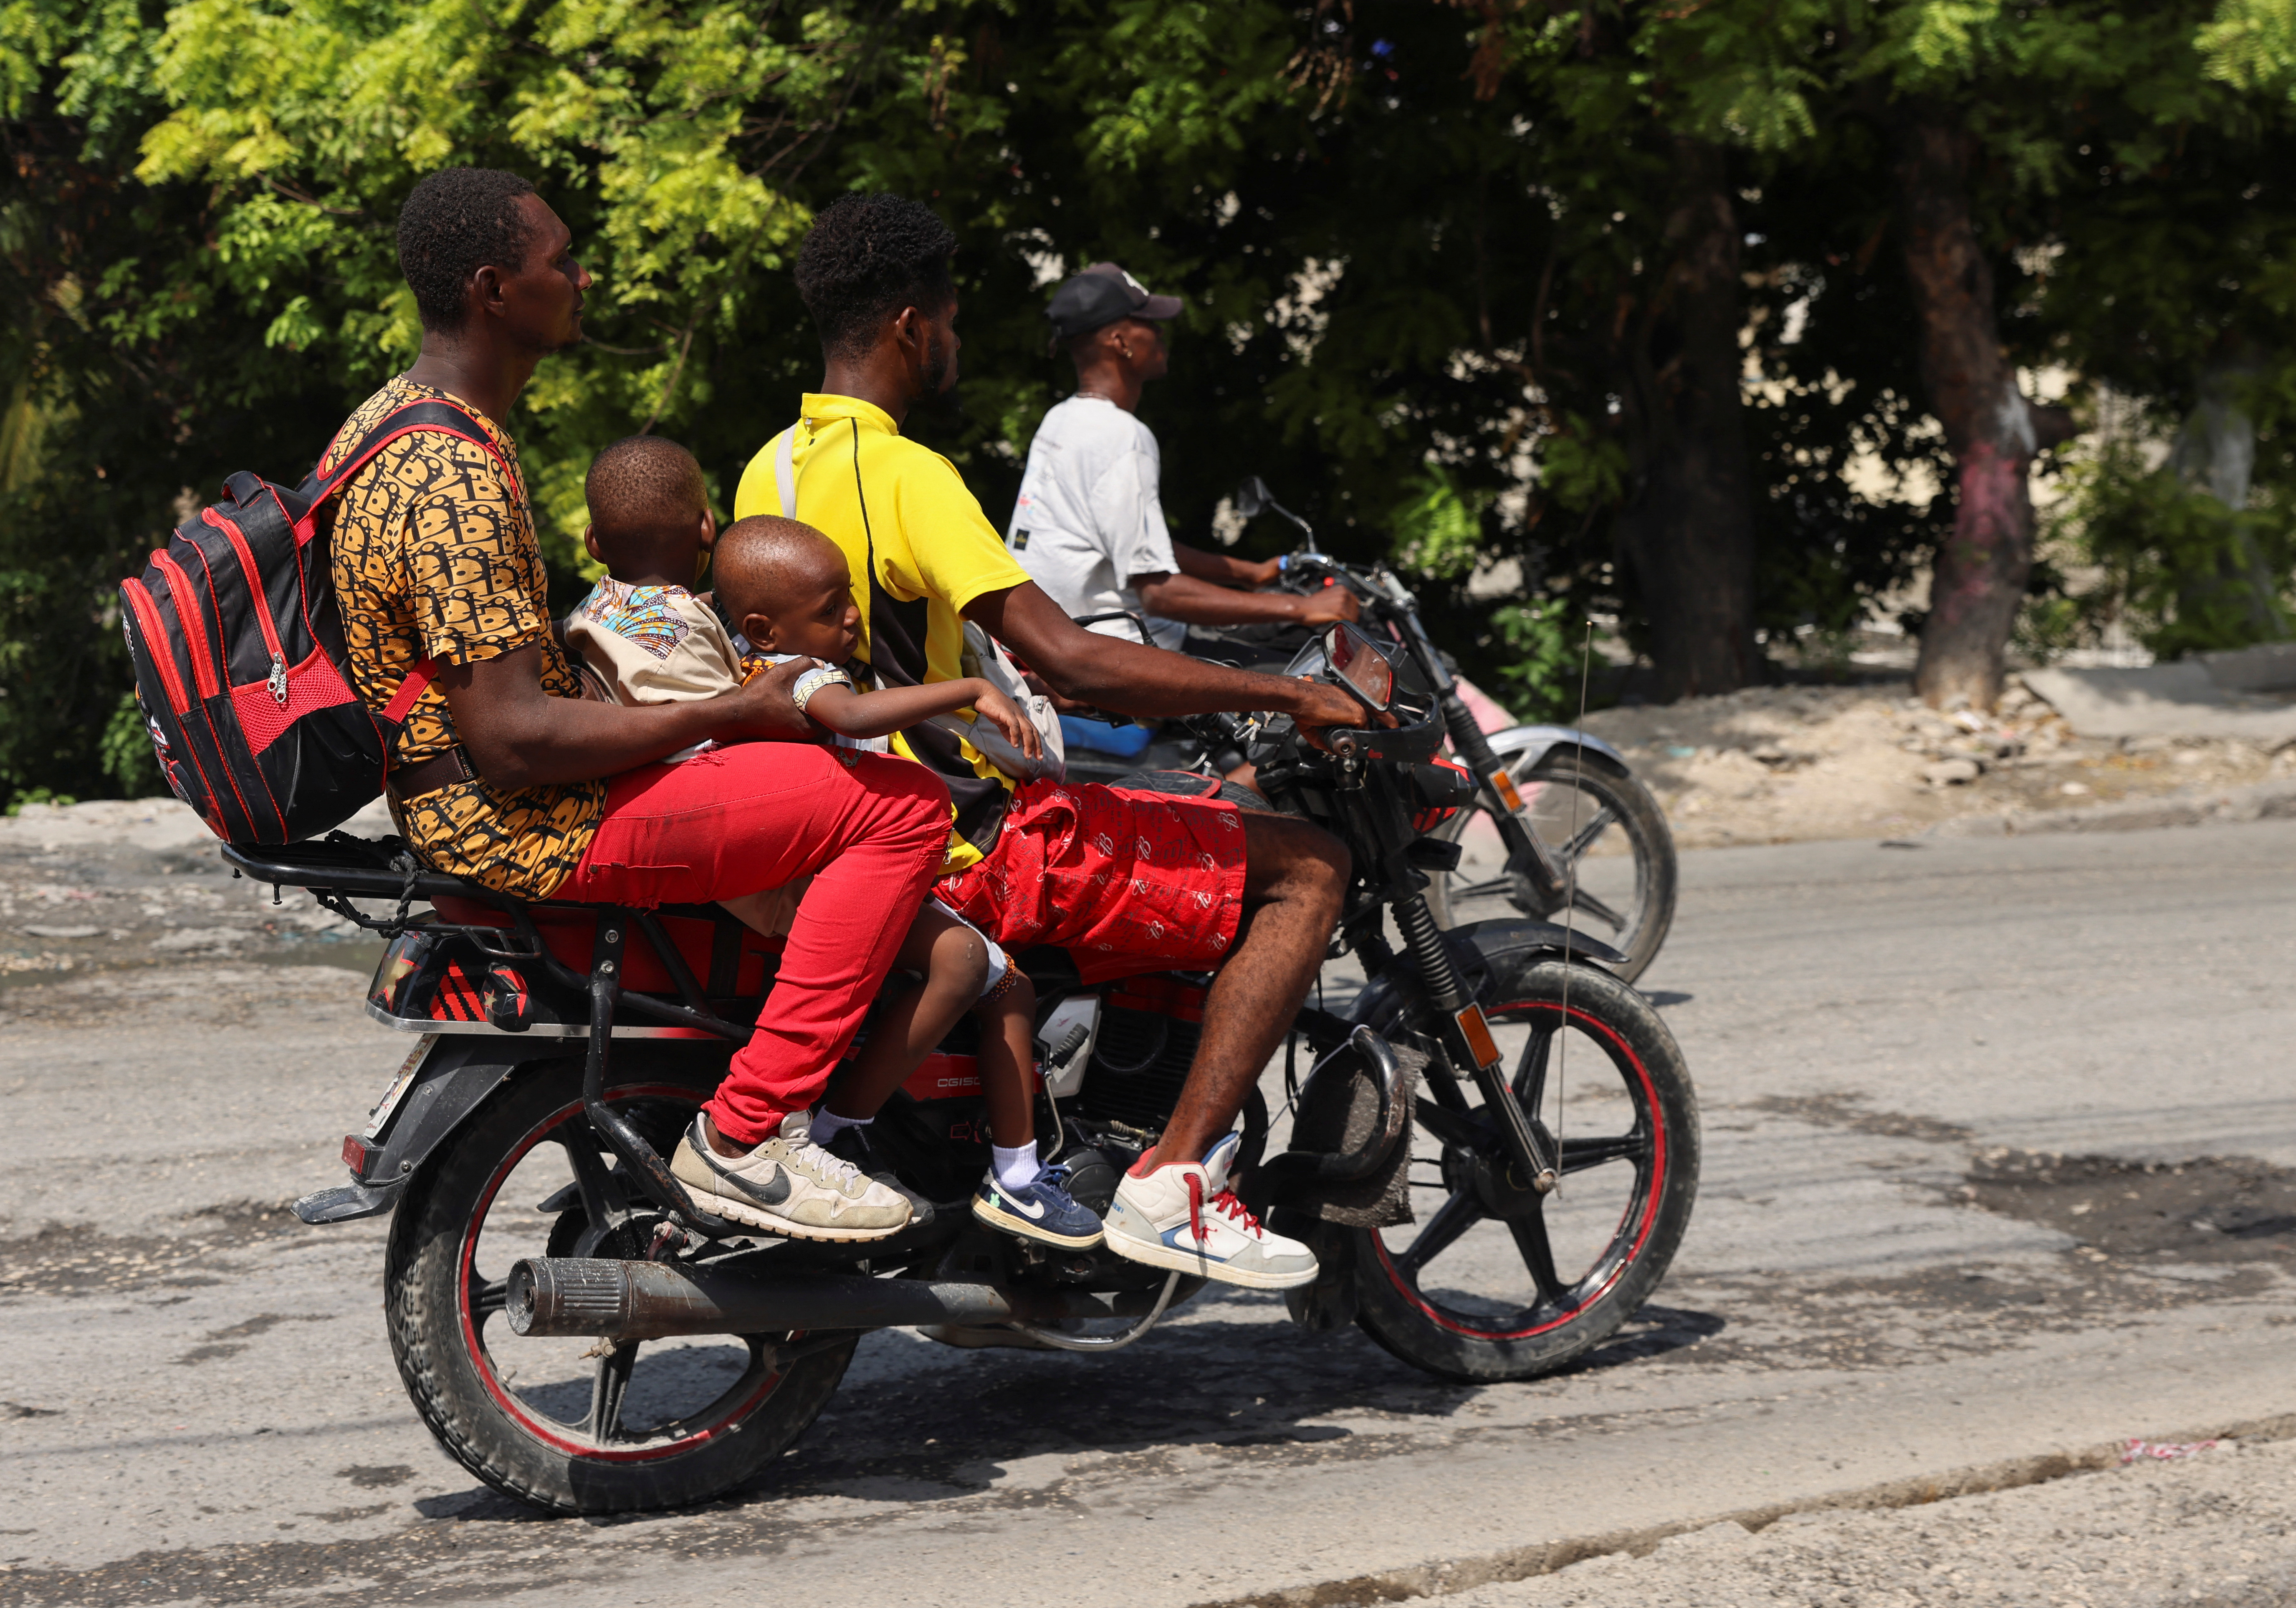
x: 435, y: 556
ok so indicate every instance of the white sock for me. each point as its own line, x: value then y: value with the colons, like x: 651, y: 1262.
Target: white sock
x: 827, y: 1124
x: 1015, y: 1169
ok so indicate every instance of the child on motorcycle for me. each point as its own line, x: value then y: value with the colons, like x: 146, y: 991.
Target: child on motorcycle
x: 784, y: 587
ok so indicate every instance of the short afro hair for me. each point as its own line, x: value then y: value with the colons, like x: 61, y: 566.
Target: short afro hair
x: 867, y: 257
x: 458, y: 221
x: 641, y: 482
x: 759, y: 559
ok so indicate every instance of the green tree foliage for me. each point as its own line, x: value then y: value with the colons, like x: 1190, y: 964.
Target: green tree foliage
x: 2170, y: 288
x: 1429, y: 252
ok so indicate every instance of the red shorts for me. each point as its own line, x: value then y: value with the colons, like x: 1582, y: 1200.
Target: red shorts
x: 1125, y: 882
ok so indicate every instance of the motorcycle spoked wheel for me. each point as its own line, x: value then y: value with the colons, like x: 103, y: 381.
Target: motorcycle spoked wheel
x: 1593, y: 819
x: 1471, y: 1295
x: 648, y: 1424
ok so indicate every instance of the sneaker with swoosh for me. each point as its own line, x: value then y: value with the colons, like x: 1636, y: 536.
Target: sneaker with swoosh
x: 854, y: 1145
x: 789, y: 1186
x: 1041, y: 1211
x: 1185, y: 1217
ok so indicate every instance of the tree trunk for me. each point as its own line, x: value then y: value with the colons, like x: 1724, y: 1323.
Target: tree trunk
x: 1689, y: 531
x: 2215, y: 452
x: 1977, y: 580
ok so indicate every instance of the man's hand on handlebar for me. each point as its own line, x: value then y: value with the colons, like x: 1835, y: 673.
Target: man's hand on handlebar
x: 1329, y: 707
x: 1329, y: 604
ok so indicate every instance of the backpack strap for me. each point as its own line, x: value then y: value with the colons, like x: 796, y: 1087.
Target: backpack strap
x: 785, y: 471
x: 429, y: 413
x: 410, y: 691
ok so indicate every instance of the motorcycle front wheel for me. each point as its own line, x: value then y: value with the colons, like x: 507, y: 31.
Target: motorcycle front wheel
x: 1491, y: 1283
x: 571, y: 1426
x: 1603, y: 830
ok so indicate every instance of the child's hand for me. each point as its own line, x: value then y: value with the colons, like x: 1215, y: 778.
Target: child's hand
x: 1009, y: 718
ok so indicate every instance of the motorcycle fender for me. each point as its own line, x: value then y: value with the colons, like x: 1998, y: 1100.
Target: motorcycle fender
x: 457, y: 1073
x: 1473, y: 948
x: 1525, y: 745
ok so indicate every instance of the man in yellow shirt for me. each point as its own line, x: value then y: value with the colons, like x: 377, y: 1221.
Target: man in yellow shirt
x: 1127, y: 882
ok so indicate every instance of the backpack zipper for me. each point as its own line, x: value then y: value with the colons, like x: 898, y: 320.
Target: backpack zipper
x: 186, y: 600
x: 276, y: 682
x: 155, y: 644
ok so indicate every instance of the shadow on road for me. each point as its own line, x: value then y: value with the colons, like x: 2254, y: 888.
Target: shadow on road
x: 944, y: 1424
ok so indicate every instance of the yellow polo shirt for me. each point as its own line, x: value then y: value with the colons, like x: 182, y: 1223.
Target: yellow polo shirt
x: 905, y: 521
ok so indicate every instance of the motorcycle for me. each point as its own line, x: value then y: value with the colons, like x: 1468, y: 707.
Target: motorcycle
x: 1558, y: 828
x: 580, y: 1336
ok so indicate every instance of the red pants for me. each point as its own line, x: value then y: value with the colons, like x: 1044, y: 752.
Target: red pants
x: 754, y: 816
x: 1125, y: 882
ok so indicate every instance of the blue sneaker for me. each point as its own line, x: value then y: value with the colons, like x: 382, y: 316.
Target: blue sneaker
x: 1042, y: 1211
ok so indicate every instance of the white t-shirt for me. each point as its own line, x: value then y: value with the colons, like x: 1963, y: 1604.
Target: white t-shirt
x: 1089, y: 519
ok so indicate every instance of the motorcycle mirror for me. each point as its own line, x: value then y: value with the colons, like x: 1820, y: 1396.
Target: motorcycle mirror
x: 1358, y: 662
x: 1252, y: 496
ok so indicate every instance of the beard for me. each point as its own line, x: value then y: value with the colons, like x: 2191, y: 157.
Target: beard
x: 940, y: 392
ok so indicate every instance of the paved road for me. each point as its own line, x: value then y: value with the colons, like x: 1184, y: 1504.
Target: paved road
x: 2001, y: 1170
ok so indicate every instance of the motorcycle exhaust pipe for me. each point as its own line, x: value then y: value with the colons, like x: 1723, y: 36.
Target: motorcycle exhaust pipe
x: 576, y: 1296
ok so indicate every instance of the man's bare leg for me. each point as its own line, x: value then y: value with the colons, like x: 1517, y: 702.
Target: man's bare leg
x: 1295, y: 878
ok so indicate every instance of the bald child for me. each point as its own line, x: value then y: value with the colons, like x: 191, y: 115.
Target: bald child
x: 785, y: 587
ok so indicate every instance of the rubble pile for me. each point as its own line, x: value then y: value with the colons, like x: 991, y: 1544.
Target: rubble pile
x: 1773, y: 764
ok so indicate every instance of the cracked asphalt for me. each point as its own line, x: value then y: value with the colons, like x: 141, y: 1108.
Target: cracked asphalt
x: 2000, y: 1171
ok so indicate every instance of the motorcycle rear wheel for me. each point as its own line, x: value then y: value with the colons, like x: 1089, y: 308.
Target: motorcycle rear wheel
x: 1601, y: 825
x: 648, y: 1424
x: 1468, y: 1296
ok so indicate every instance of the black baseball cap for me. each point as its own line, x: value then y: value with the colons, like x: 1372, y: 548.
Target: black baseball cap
x: 1101, y: 295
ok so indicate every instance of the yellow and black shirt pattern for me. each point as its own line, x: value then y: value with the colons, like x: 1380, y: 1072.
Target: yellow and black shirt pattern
x: 435, y: 556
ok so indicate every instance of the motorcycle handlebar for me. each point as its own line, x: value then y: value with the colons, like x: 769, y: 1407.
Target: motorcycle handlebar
x: 1420, y: 740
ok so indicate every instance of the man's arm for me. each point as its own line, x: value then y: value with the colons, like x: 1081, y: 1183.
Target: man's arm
x: 520, y: 736
x: 1221, y: 570
x: 1197, y: 602
x: 1129, y: 679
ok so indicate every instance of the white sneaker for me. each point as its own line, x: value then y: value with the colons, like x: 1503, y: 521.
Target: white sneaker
x: 1183, y: 1216
x: 789, y: 1185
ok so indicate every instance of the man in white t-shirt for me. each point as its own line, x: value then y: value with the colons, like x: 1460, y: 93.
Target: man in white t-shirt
x: 1089, y: 526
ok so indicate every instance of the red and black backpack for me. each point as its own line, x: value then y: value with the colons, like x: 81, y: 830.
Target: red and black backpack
x: 240, y: 670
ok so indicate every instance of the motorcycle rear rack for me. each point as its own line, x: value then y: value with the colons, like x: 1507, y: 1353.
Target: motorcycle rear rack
x: 341, y: 868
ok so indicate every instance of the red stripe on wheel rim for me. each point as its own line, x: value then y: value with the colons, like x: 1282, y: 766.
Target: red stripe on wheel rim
x: 1410, y: 1290
x: 548, y: 1431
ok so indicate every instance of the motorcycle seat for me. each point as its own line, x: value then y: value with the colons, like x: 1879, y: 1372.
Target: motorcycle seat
x: 728, y: 959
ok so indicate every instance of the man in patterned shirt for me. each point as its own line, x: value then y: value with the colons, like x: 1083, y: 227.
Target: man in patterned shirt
x: 504, y: 773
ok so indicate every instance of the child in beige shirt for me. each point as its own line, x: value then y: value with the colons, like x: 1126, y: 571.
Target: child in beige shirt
x: 646, y: 635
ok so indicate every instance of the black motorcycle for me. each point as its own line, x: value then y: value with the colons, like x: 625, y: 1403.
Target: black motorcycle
x: 1494, y: 1155
x: 1560, y: 827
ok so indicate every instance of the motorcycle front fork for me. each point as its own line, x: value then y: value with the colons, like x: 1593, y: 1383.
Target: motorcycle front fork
x: 1467, y: 1039
x: 1536, y: 881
